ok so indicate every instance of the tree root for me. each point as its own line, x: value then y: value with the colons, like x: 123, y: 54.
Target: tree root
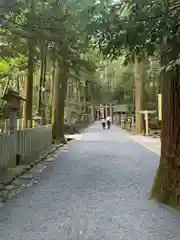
x: 62, y: 140
x: 166, y: 187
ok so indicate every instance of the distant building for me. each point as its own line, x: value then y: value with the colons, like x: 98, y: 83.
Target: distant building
x: 120, y: 108
x: 120, y: 112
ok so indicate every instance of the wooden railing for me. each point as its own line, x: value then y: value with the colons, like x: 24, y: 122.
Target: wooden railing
x: 7, y: 150
x: 4, y: 124
x: 24, y: 146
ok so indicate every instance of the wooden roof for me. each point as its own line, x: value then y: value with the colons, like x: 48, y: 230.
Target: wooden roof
x: 11, y: 93
x: 120, y: 108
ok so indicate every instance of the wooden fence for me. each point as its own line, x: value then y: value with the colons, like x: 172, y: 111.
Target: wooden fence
x: 4, y: 123
x: 24, y: 146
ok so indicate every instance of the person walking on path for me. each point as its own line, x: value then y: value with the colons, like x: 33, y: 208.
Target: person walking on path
x: 103, y: 122
x: 108, y: 120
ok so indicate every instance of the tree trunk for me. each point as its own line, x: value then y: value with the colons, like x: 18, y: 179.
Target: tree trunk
x: 44, y: 92
x: 53, y: 76
x: 53, y: 87
x: 166, y: 186
x: 139, y: 75
x: 68, y: 109
x: 29, y: 89
x: 41, y: 82
x: 86, y: 97
x: 60, y: 90
x: 18, y: 86
x: 78, y: 100
x: 29, y: 81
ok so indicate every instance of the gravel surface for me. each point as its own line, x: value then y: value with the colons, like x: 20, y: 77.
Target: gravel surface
x: 97, y: 187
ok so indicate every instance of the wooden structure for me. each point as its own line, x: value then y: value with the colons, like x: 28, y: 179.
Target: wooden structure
x: 13, y: 105
x: 103, y: 110
x: 120, y: 112
x: 37, y: 121
x: 146, y: 113
x: 25, y: 146
x: 13, y: 99
x: 160, y: 107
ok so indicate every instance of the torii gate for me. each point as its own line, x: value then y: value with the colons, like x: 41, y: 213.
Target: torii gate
x: 100, y: 111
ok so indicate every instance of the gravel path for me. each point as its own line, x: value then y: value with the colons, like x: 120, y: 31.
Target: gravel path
x: 98, y: 187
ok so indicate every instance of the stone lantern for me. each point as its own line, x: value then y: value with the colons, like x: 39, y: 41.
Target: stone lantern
x: 37, y: 120
x: 13, y: 105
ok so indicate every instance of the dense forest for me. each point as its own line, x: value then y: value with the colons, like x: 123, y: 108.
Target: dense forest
x: 65, y: 56
x: 46, y: 58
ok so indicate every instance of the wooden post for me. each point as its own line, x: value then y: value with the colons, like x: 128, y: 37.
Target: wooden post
x: 29, y: 124
x: 23, y: 124
x: 111, y: 112
x: 106, y: 111
x: 13, y: 120
x: 18, y: 124
x: 92, y: 113
x: 146, y: 122
x: 68, y: 113
x: 132, y: 123
x: 160, y: 107
x: 97, y: 114
x: 33, y: 123
x: 6, y: 127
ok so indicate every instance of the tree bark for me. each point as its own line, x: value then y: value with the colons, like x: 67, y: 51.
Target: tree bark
x: 60, y: 90
x: 139, y: 75
x: 28, y: 106
x: 41, y: 81
x: 53, y: 87
x: 29, y: 89
x: 166, y: 186
x: 44, y: 92
x: 86, y: 98
x: 53, y: 76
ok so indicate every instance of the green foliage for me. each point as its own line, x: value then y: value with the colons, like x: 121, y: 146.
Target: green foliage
x: 139, y: 27
x: 11, y: 66
x: 124, y: 85
x: 57, y: 29
x: 59, y: 25
x: 4, y: 67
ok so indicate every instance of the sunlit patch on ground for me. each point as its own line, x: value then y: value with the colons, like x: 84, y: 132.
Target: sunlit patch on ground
x: 74, y: 136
